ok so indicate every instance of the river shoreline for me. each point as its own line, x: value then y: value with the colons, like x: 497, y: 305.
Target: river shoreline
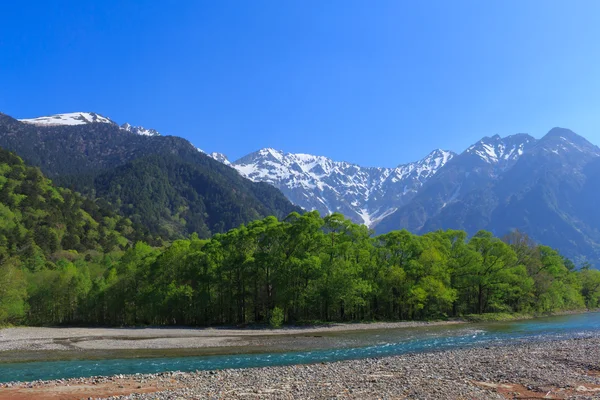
x: 550, y: 370
x: 58, y: 339
x: 34, y: 339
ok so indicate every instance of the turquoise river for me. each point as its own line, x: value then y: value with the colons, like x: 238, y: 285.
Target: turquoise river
x: 340, y: 346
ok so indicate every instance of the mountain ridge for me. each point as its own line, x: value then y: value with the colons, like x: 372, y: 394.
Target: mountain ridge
x: 318, y: 182
x: 545, y: 187
x: 539, y: 192
x: 83, y: 118
x: 196, y: 193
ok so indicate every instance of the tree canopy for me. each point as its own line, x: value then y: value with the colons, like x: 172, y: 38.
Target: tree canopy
x: 303, y: 268
x: 65, y: 259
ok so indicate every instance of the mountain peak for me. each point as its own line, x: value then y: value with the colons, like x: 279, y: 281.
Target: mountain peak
x: 222, y: 158
x: 268, y: 151
x: 557, y: 131
x: 75, y: 118
x: 561, y: 140
x: 139, y: 130
x: 496, y: 150
x: 564, y: 134
x: 443, y: 156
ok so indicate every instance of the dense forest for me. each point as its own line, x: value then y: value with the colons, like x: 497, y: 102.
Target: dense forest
x: 41, y: 224
x: 173, y: 198
x: 65, y: 259
x: 38, y: 218
x: 306, y: 268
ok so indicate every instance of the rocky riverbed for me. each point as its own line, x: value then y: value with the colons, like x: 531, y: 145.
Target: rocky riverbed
x: 526, y: 370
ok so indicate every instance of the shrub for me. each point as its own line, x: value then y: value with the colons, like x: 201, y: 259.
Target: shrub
x: 276, y: 318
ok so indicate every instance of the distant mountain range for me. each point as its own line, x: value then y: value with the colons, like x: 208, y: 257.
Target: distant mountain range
x: 544, y: 187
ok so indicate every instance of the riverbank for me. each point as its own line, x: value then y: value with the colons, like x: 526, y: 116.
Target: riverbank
x: 544, y: 370
x: 507, y: 317
x: 79, y: 339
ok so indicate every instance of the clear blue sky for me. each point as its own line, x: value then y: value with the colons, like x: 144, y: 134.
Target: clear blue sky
x: 372, y: 82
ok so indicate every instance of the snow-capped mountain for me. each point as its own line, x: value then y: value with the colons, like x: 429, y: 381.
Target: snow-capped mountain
x: 76, y: 118
x: 501, y: 152
x: 83, y: 118
x: 474, y: 170
x: 139, y: 130
x: 364, y: 194
x: 220, y: 157
x: 546, y: 188
x: 566, y: 144
x: 369, y: 194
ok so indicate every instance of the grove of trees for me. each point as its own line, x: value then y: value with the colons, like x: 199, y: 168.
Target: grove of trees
x: 311, y: 268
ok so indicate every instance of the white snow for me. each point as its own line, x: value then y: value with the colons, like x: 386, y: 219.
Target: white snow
x: 220, y: 157
x: 76, y: 118
x: 335, y: 185
x: 497, y: 151
x: 139, y: 130
x: 83, y: 118
x: 366, y: 217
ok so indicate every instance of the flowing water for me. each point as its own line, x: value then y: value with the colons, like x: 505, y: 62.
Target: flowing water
x: 339, y: 346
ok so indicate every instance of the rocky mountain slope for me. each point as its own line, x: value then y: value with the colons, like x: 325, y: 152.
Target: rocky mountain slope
x: 545, y: 188
x: 363, y: 194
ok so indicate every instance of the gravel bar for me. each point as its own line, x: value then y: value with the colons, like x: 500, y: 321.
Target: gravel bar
x: 41, y: 338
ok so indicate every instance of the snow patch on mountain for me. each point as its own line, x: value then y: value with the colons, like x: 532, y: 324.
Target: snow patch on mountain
x: 365, y: 195
x: 76, y: 118
x: 220, y: 157
x: 139, y: 130
x: 501, y: 152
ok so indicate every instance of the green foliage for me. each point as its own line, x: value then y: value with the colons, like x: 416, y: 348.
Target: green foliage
x: 41, y: 227
x: 37, y: 218
x: 301, y: 269
x: 590, y: 287
x: 13, y: 293
x: 64, y: 260
x: 277, y: 317
x: 496, y: 317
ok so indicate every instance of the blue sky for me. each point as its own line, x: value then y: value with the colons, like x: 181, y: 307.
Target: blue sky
x: 373, y: 82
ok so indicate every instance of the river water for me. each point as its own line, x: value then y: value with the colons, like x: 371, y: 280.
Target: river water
x: 338, y: 346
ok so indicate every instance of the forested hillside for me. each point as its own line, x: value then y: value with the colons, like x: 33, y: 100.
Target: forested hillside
x: 162, y: 182
x: 37, y: 217
x: 42, y: 226
x: 174, y: 198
